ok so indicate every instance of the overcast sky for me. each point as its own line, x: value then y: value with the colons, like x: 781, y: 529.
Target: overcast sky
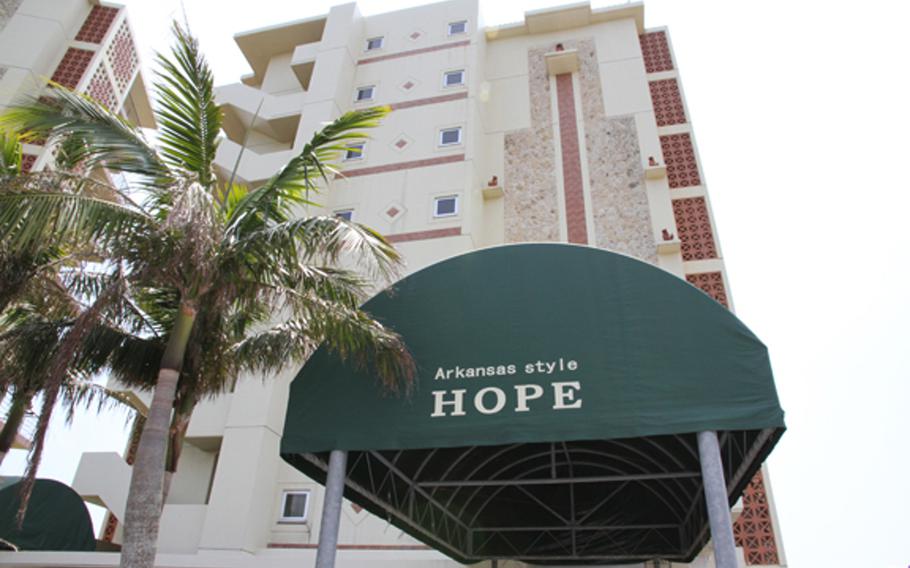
x: 800, y: 111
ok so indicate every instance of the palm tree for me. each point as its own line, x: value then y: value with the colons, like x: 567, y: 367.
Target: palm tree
x: 36, y: 307
x: 30, y: 336
x: 227, y: 278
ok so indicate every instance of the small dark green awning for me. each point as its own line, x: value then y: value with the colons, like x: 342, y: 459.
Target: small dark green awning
x: 56, y: 519
x: 552, y: 421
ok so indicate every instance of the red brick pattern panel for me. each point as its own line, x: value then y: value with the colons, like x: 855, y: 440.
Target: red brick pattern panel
x: 411, y: 52
x: 96, y: 24
x: 121, y: 54
x: 754, y: 530
x: 135, y: 435
x: 656, y: 51
x: 423, y: 235
x: 110, y: 528
x: 668, y: 105
x: 694, y: 227
x: 712, y: 284
x: 72, y: 67
x: 679, y: 155
x: 429, y: 101
x: 571, y: 161
x: 101, y: 89
x: 28, y: 162
x: 401, y: 166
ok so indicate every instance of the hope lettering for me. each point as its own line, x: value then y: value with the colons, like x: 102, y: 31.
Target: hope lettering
x: 492, y: 400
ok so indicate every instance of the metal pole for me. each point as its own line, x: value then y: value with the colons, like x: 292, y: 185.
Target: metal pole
x: 331, y: 509
x: 712, y: 472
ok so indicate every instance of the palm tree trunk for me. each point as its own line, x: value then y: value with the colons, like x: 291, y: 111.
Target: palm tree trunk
x: 179, y: 424
x: 18, y: 406
x: 144, y: 502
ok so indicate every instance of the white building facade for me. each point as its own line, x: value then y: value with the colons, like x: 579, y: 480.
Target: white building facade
x: 84, y: 45
x: 570, y: 126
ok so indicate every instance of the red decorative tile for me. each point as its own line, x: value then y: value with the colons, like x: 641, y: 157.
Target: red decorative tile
x: 712, y: 284
x: 408, y: 85
x: 28, y: 162
x: 694, y: 227
x: 122, y: 56
x: 97, y: 23
x: 392, y: 211
x: 573, y: 185
x: 656, y: 51
x: 754, y: 529
x: 110, y: 528
x: 72, y: 67
x: 679, y: 155
x: 668, y: 105
x: 133, y: 443
x: 101, y: 89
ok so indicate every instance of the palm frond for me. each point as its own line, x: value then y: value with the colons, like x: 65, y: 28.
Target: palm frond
x: 31, y: 219
x: 10, y: 153
x: 131, y: 359
x: 189, y: 120
x: 288, y: 189
x: 319, y: 241
x: 109, y: 140
x: 269, y: 350
x: 84, y: 393
x: 354, y: 335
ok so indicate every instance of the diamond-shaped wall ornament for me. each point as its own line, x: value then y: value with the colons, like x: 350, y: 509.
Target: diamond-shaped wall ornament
x: 415, y: 35
x: 408, y: 84
x: 401, y: 142
x: 393, y: 211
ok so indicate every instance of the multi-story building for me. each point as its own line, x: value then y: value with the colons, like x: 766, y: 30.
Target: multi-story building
x: 81, y: 44
x: 569, y: 126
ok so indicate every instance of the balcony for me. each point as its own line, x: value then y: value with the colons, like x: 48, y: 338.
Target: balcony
x: 252, y: 166
x: 303, y: 62
x: 248, y: 110
x: 103, y: 479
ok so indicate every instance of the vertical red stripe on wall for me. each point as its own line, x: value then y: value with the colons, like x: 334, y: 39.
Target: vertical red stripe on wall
x: 571, y: 161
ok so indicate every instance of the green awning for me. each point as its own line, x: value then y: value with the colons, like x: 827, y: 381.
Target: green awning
x: 56, y: 519
x: 558, y: 392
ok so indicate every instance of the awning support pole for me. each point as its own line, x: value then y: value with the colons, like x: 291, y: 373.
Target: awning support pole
x: 331, y: 509
x: 712, y: 472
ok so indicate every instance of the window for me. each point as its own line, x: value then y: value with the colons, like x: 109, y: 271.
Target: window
x: 365, y: 93
x: 346, y: 214
x: 450, y: 136
x: 374, y: 43
x: 456, y: 28
x: 354, y: 151
x: 453, y: 78
x: 446, y: 206
x: 294, y: 506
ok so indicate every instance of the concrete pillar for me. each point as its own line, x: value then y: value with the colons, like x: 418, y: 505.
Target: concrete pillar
x: 331, y: 509
x: 712, y: 473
